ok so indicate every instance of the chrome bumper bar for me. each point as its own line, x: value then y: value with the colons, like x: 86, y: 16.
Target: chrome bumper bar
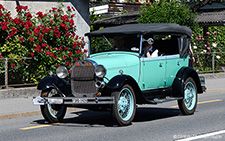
x: 72, y: 100
x: 202, y: 82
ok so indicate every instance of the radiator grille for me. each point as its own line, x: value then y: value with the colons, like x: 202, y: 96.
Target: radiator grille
x: 83, y: 79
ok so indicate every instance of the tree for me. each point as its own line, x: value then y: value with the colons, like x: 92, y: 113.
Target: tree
x: 168, y: 12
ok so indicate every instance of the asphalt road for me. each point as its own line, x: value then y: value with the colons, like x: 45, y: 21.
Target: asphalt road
x: 161, y: 122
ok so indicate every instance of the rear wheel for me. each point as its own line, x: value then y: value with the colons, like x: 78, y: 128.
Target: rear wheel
x: 188, y: 104
x: 125, y: 105
x: 52, y: 112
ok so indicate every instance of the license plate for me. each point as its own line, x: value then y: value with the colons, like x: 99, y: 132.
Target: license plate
x: 55, y: 101
x: 80, y: 100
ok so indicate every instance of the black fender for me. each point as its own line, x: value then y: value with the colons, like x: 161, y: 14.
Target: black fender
x: 182, y: 75
x: 54, y: 81
x: 117, y: 82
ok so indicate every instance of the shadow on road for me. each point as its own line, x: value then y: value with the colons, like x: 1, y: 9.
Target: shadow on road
x: 89, y: 118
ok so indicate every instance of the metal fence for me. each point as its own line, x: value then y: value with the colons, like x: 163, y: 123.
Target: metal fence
x: 210, y: 62
x: 15, y: 72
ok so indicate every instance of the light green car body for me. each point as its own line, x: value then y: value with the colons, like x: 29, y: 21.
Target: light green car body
x: 149, y: 73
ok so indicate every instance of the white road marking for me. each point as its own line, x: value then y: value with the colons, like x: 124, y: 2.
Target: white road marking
x: 203, y: 136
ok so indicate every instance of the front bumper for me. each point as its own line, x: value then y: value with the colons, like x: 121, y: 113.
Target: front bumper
x: 73, y: 100
x: 202, y: 82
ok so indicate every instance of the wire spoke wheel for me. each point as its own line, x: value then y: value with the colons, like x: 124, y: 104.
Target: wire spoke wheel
x: 125, y: 108
x: 189, y: 96
x: 189, y: 103
x: 125, y: 105
x: 53, y: 112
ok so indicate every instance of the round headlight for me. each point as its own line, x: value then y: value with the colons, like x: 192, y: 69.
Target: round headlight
x: 62, y: 72
x: 100, y: 71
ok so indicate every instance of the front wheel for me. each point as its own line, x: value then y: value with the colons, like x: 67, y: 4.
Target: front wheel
x: 188, y: 104
x: 124, y: 108
x: 52, y: 112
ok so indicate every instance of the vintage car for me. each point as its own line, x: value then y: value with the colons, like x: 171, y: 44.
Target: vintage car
x: 116, y: 77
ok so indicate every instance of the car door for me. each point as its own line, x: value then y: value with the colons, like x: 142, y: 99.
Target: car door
x: 177, y: 60
x: 173, y: 64
x: 153, y: 73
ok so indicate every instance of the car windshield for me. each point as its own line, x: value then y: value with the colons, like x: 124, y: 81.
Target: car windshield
x: 165, y: 44
x: 115, y: 43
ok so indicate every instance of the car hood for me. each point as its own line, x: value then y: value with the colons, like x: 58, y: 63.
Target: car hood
x: 116, y: 61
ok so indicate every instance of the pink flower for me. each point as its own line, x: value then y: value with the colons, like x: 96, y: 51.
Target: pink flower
x: 64, y: 57
x: 208, y: 48
x: 70, y: 54
x: 207, y: 32
x: 63, y: 25
x: 214, y: 32
x: 32, y: 54
x: 13, y: 65
x: 53, y: 8
x: 68, y: 63
x: 0, y: 56
x: 31, y: 39
x: 21, y: 39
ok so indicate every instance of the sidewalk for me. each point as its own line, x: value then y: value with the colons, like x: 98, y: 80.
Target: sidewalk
x: 20, y: 105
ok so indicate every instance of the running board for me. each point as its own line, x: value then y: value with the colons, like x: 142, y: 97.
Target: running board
x: 166, y: 99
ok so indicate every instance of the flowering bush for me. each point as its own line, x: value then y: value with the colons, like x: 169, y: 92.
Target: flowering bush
x: 48, y: 38
x: 204, y: 45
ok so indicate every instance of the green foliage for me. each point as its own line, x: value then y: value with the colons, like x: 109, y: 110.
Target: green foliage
x: 48, y: 38
x: 168, y: 12
x: 94, y: 17
x: 100, y: 44
x: 97, y: 44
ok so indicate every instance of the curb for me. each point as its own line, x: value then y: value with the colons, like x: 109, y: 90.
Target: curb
x: 33, y: 113
x: 215, y: 90
x: 213, y: 75
x: 17, y: 115
x: 19, y: 92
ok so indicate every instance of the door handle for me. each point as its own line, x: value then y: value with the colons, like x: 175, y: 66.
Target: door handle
x: 178, y: 63
x: 160, y: 64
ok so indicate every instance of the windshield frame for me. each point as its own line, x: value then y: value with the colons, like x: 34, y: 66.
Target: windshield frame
x: 106, y: 38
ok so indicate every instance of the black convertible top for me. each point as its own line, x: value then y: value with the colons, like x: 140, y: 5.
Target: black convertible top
x: 152, y: 28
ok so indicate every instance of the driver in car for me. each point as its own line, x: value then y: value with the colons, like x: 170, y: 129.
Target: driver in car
x: 149, y: 51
